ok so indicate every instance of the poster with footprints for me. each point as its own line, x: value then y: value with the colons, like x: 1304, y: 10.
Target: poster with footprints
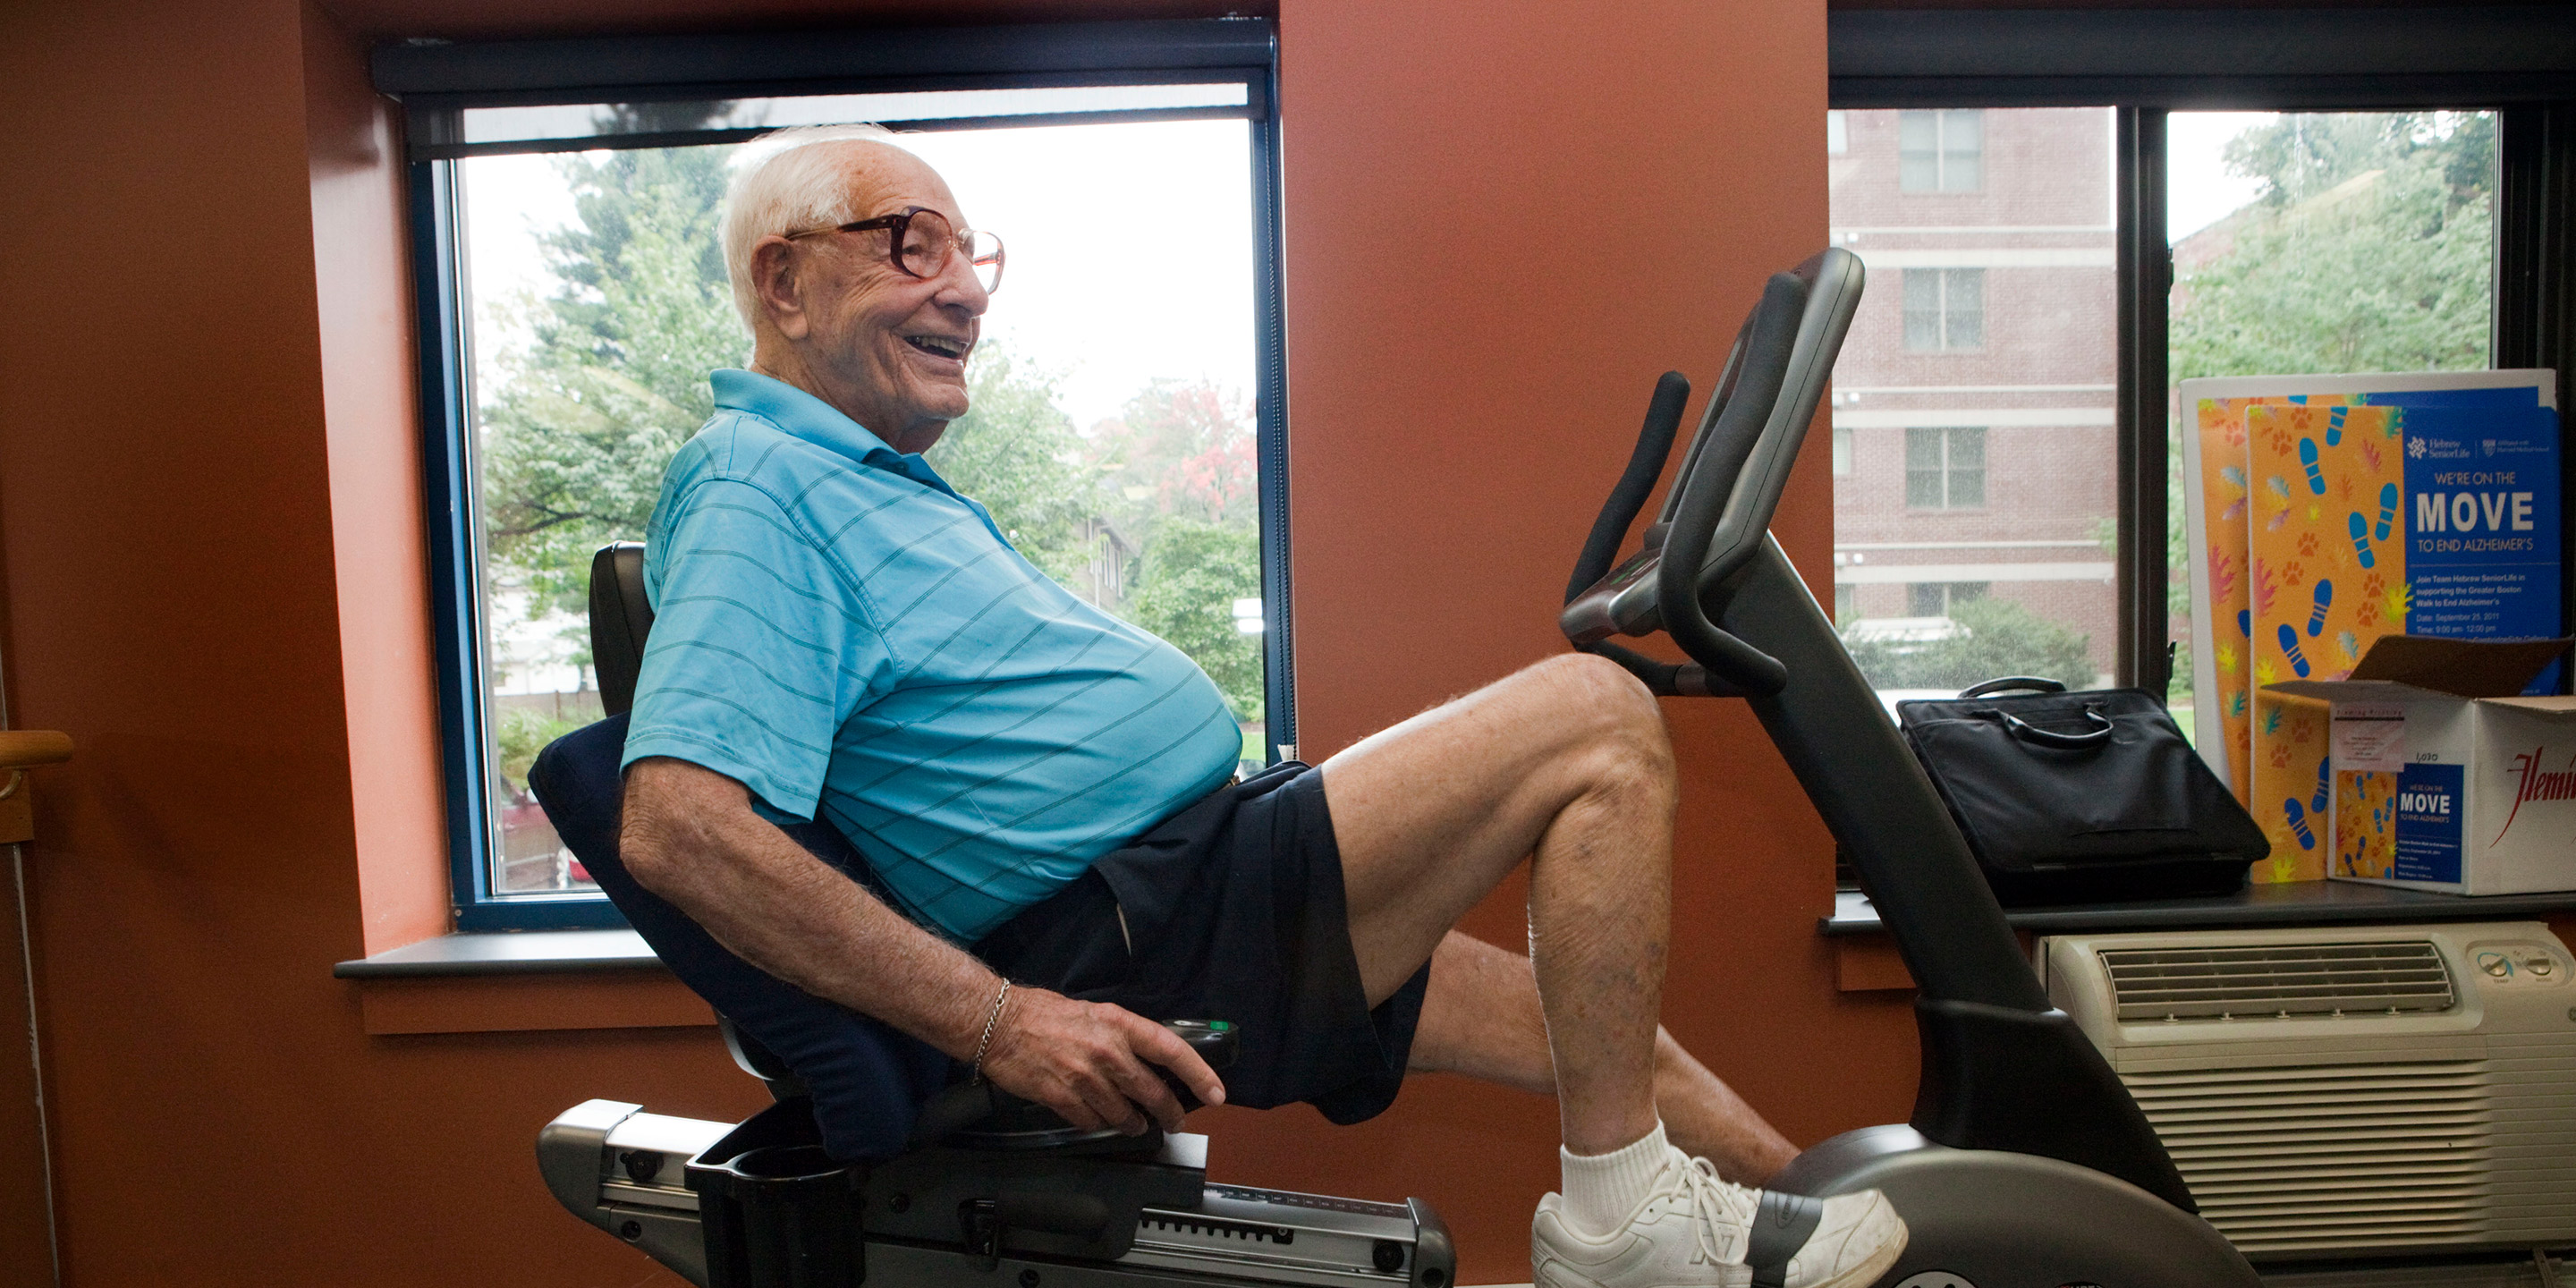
x: 2380, y: 520
x: 2324, y: 516
x: 2225, y: 502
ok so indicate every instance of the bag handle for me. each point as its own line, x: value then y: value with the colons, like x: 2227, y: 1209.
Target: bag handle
x: 2028, y: 732
x: 2012, y: 682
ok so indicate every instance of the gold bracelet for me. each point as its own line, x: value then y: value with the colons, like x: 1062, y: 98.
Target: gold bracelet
x: 985, y: 1042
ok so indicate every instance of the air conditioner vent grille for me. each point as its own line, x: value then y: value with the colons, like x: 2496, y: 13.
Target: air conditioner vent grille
x: 2319, y: 1157
x: 2274, y: 980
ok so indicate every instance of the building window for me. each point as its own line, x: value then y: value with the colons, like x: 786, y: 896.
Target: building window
x: 1945, y: 468
x: 1842, y: 450
x: 1945, y: 309
x: 1837, y: 134
x: 1124, y: 453
x: 1937, y: 598
x: 1941, y: 151
x: 1846, y: 602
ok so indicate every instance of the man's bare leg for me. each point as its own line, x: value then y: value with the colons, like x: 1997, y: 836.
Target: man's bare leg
x: 1482, y: 1019
x: 1566, y: 764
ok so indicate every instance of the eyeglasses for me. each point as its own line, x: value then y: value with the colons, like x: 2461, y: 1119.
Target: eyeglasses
x: 919, y: 242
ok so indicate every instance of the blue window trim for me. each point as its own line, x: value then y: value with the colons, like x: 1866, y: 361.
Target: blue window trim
x: 437, y: 81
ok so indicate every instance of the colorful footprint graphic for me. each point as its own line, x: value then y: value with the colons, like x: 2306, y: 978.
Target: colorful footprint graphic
x: 2245, y: 622
x: 2290, y: 647
x: 2325, y: 786
x: 2317, y: 615
x: 2308, y: 461
x: 2334, y: 426
x: 2387, y: 511
x: 2359, y: 527
x: 2299, y: 823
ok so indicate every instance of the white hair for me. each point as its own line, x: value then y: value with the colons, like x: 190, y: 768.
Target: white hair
x: 787, y: 182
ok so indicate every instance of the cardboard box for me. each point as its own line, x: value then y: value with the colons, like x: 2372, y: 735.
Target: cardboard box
x: 2443, y: 777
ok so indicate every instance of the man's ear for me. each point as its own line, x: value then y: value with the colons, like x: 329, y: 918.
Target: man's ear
x: 776, y: 283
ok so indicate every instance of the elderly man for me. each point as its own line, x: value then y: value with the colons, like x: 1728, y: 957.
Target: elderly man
x: 1054, y: 858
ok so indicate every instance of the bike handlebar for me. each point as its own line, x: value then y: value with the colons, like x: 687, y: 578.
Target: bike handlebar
x: 1721, y: 506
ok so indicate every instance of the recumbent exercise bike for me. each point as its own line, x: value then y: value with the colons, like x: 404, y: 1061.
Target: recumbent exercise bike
x: 2025, y: 1163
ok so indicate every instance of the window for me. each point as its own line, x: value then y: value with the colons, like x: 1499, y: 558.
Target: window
x: 2142, y: 241
x: 1939, y: 374
x: 1128, y: 446
x: 1945, y: 308
x: 1937, y: 598
x: 1945, y: 468
x: 1941, y: 151
x: 1837, y: 134
x: 1842, y: 450
x: 2240, y: 205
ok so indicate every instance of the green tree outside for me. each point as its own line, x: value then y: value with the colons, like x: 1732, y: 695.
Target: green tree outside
x: 1997, y: 638
x: 1191, y: 574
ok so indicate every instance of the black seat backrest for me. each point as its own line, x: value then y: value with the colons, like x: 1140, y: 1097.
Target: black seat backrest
x: 620, y: 618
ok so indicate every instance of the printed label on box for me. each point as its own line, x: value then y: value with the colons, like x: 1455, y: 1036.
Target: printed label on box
x: 2429, y: 809
x: 2370, y: 737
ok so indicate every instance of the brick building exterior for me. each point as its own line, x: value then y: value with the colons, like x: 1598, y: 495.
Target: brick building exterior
x: 1972, y: 405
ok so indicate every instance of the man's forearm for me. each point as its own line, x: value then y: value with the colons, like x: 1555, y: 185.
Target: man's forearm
x: 691, y: 837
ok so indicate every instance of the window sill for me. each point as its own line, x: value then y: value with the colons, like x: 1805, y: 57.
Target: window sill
x: 1865, y: 958
x: 532, y: 980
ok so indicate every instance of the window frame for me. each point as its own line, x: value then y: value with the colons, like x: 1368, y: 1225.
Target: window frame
x: 1942, y: 121
x: 1944, y: 282
x: 438, y: 82
x: 2146, y: 63
x: 1949, y: 438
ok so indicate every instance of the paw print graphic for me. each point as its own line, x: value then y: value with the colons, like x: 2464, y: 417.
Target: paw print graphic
x: 2308, y: 544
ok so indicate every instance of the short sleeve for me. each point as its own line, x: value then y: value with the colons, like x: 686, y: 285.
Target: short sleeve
x: 760, y: 648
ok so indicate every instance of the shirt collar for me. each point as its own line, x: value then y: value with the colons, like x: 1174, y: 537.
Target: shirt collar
x: 804, y: 416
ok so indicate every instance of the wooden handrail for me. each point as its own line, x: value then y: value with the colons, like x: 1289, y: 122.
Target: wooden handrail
x: 20, y: 751
x: 26, y: 748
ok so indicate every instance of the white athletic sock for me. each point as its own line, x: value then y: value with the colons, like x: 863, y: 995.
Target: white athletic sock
x: 1602, y: 1190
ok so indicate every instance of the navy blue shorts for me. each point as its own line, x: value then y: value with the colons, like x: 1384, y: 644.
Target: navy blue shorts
x: 1230, y: 910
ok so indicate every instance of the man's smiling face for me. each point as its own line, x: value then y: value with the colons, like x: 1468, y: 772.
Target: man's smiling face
x: 892, y: 346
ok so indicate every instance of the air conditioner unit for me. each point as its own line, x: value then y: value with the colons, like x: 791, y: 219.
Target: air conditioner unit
x: 2343, y: 1091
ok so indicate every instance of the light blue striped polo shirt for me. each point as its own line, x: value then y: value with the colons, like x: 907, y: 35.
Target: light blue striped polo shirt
x: 840, y: 631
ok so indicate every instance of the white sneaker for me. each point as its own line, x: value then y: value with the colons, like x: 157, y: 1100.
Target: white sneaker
x: 1697, y: 1230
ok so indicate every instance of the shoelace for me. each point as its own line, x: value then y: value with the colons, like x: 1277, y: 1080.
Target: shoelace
x: 1711, y: 1198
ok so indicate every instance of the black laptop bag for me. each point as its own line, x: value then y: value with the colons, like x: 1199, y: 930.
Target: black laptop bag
x: 2081, y: 797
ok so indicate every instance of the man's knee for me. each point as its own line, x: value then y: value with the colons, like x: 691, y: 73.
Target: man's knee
x: 1609, y: 711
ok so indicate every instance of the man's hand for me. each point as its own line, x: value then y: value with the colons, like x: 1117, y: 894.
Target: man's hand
x: 1089, y: 1062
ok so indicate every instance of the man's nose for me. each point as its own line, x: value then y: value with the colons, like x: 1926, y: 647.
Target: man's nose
x: 960, y: 288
